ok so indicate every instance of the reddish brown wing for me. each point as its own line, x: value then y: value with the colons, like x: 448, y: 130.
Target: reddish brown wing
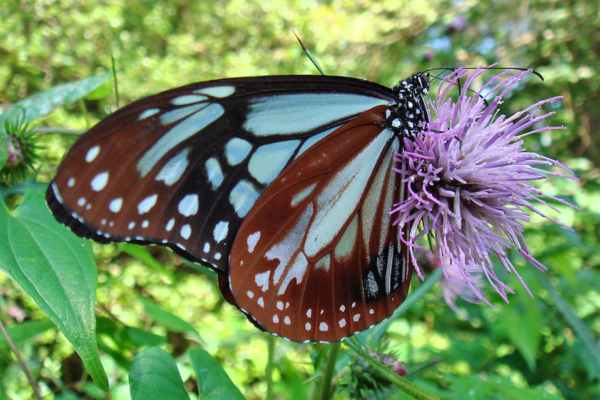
x: 317, y: 258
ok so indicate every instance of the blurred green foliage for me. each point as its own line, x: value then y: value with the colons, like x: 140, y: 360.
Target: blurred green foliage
x: 523, y: 347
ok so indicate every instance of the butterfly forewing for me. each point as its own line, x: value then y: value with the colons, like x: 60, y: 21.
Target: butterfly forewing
x: 184, y: 167
x: 317, y: 258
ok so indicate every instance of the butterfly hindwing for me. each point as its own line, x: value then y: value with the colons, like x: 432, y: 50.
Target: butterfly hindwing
x: 184, y: 167
x: 317, y: 258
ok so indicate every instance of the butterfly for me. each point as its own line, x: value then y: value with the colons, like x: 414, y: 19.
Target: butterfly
x: 282, y: 184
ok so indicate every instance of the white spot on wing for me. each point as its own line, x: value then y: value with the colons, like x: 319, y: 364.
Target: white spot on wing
x: 371, y: 289
x: 145, y: 223
x: 188, y: 205
x: 280, y: 306
x: 250, y: 294
x: 342, y: 322
x: 342, y: 308
x: 261, y: 302
x: 217, y: 256
x: 309, y: 313
x: 99, y: 182
x: 323, y: 327
x: 186, y: 231
x: 217, y: 91
x: 270, y: 159
x: 252, y: 241
x: 214, y: 172
x: 177, y: 134
x: 262, y: 280
x: 287, y: 321
x: 146, y: 205
x: 172, y: 171
x: 92, y: 154
x: 236, y: 150
x: 356, y: 317
x: 71, y: 182
x: 220, y: 231
x: 170, y: 224
x: 206, y: 247
x: 115, y: 205
x: 275, y: 319
x: 131, y: 225
x: 242, y: 197
x: 81, y: 201
x: 307, y: 326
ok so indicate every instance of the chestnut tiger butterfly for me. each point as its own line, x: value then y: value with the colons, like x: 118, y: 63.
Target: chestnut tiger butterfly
x: 282, y: 184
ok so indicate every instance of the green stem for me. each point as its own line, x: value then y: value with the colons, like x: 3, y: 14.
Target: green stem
x: 310, y: 56
x: 269, y: 369
x: 20, y: 361
x: 334, y: 351
x: 403, y: 384
x: 114, y: 72
x: 84, y: 112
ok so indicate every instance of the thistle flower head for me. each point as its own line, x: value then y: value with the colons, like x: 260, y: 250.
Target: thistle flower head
x: 468, y: 180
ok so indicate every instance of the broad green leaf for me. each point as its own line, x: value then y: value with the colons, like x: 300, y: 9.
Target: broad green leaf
x: 213, y: 381
x: 26, y: 330
x: 57, y: 269
x: 166, y: 319
x: 155, y: 376
x: 43, y: 103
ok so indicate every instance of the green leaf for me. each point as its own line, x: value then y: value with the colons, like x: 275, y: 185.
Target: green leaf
x: 213, y: 381
x: 145, y: 338
x: 521, y: 320
x: 43, y: 103
x: 155, y: 376
x: 581, y: 330
x: 493, y: 388
x: 57, y: 269
x: 24, y: 331
x: 166, y: 319
x: 3, y: 147
x: 101, y: 92
x: 144, y: 256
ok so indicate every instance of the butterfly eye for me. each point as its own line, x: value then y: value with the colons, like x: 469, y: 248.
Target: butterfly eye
x: 280, y: 184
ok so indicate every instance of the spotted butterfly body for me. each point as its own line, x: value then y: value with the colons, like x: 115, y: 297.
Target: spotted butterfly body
x: 282, y: 184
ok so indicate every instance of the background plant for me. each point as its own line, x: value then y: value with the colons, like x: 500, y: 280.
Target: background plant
x: 527, y: 348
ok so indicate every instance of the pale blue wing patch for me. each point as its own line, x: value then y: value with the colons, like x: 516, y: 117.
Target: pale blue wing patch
x: 290, y: 114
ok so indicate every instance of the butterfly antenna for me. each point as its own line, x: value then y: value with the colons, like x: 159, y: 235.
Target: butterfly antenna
x: 472, y: 68
x: 533, y: 71
x: 309, y: 55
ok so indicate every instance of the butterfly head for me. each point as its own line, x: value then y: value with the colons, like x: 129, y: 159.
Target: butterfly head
x: 408, y: 115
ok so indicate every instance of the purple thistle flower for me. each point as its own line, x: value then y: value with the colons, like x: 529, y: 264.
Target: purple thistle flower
x: 468, y: 179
